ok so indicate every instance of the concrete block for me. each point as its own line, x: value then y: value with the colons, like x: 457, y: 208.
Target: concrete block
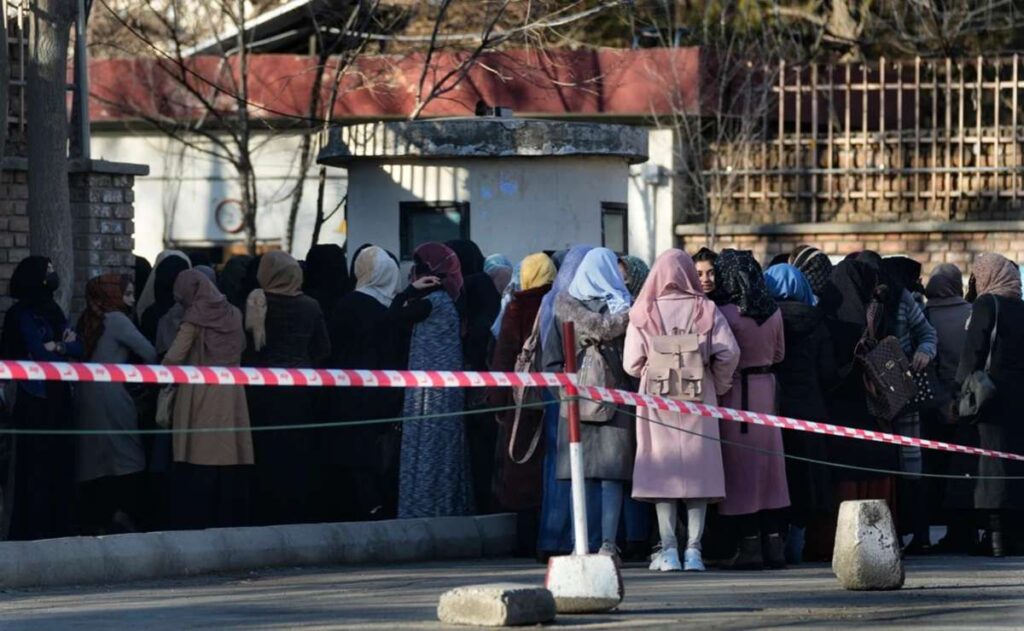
x: 867, y: 552
x: 589, y: 583
x: 498, y: 605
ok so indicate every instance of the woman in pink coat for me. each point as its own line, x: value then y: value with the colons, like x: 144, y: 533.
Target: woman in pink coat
x: 673, y: 465
x: 755, y: 469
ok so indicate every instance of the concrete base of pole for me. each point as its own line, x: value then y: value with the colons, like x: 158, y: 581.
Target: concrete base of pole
x: 590, y: 583
x: 501, y: 605
x: 133, y: 557
x: 867, y: 554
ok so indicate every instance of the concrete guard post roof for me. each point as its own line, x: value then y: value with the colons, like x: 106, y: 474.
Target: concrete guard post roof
x: 481, y: 137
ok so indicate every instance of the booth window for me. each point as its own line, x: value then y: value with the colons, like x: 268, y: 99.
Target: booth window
x: 614, y: 227
x: 421, y: 222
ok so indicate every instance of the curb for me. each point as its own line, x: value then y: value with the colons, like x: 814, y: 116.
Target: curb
x: 156, y: 555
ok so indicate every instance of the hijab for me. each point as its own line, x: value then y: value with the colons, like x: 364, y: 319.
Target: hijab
x: 142, y: 271
x: 888, y: 289
x: 786, y: 282
x: 778, y: 259
x: 470, y: 257
x: 566, y: 271
x: 598, y: 278
x: 997, y: 275
x: 30, y: 288
x: 814, y: 265
x: 162, y: 280
x: 148, y: 294
x: 437, y: 259
x: 740, y: 282
x: 208, y: 272
x: 280, y: 274
x: 103, y: 294
x: 673, y: 274
x: 947, y: 281
x: 376, y: 275
x: 904, y: 273
x: 854, y: 284
x: 327, y: 275
x: 232, y: 279
x: 500, y: 269
x: 536, y: 270
x: 636, y: 273
x: 209, y: 309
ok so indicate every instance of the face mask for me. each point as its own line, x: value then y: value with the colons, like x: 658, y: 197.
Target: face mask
x: 52, y: 282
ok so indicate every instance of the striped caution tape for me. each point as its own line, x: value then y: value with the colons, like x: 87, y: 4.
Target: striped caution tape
x: 237, y: 376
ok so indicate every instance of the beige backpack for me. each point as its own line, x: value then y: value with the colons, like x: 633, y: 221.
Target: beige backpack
x: 675, y: 365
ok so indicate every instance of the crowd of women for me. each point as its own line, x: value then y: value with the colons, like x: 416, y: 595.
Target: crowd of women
x: 715, y: 328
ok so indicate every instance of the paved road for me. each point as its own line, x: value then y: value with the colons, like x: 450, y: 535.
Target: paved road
x: 951, y: 593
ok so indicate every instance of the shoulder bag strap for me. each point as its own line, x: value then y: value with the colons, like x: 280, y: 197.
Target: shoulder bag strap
x: 518, y: 398
x: 992, y: 337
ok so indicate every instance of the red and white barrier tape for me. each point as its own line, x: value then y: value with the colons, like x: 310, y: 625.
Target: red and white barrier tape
x: 623, y: 397
x: 235, y: 376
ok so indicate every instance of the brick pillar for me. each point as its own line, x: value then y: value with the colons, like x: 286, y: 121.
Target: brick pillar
x: 102, y: 210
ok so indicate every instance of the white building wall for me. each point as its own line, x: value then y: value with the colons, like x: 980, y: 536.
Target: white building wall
x: 652, y: 203
x: 175, y: 203
x: 517, y: 205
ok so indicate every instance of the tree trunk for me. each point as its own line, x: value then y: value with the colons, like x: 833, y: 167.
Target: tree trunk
x: 49, y: 203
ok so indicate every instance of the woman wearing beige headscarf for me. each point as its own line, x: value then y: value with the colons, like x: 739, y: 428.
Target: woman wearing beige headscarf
x: 995, y: 344
x: 287, y: 331
x: 209, y: 477
x: 362, y: 464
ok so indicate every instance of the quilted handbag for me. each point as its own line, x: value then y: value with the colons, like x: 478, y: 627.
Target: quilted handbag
x: 888, y: 379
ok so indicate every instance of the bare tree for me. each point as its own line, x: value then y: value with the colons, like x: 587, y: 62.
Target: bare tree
x: 49, y: 203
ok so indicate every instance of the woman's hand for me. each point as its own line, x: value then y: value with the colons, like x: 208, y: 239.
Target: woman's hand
x: 920, y: 361
x: 70, y: 337
x: 426, y: 282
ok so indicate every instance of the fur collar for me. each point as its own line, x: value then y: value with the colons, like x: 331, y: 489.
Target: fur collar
x: 590, y: 324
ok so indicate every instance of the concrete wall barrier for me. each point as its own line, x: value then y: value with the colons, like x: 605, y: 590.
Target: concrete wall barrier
x: 133, y: 557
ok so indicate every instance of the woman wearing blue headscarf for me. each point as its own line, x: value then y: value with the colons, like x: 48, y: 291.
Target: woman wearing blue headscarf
x: 808, y: 370
x: 556, y: 533
x: 598, y: 302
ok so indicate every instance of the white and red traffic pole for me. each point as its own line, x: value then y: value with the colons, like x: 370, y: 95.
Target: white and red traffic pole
x: 579, y: 495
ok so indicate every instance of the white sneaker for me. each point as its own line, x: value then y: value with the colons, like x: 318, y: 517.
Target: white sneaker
x: 692, y: 560
x: 666, y: 561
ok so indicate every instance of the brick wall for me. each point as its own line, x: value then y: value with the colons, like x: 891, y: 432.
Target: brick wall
x: 102, y: 209
x: 930, y: 248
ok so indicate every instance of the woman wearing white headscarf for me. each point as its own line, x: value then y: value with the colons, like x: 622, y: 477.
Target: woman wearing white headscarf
x: 598, y: 302
x: 363, y: 459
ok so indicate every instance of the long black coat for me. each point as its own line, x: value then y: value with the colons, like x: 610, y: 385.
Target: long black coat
x: 1000, y: 426
x: 807, y: 371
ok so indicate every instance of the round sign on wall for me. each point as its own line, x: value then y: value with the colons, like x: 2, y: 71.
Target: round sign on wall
x: 229, y: 216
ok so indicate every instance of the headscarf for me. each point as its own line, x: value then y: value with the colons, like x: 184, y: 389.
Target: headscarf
x: 598, y: 278
x: 997, y: 275
x: 162, y: 280
x: 904, y: 273
x: 636, y: 273
x: 893, y: 293
x: 786, y: 282
x: 148, y: 294
x: 279, y: 273
x: 854, y: 284
x: 814, y: 265
x: 103, y: 294
x: 674, y: 273
x: 142, y: 271
x: 206, y: 307
x: 570, y: 263
x: 500, y: 269
x: 30, y: 289
x: 208, y: 272
x: 232, y: 279
x: 778, y: 259
x: 536, y: 270
x: 740, y: 281
x: 326, y: 275
x: 376, y: 275
x: 471, y: 258
x: 437, y: 259
x: 947, y: 281
x: 558, y: 258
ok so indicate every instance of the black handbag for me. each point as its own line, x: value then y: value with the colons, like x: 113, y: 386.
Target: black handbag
x: 978, y: 388
x: 888, y: 379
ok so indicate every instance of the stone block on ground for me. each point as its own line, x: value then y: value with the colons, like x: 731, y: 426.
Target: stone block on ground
x: 590, y: 583
x: 497, y: 605
x: 867, y: 552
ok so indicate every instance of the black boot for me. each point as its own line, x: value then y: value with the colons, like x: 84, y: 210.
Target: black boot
x: 748, y: 556
x: 775, y: 552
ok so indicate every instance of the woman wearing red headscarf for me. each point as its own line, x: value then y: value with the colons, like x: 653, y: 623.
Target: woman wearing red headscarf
x: 677, y: 456
x: 110, y: 467
x: 435, y: 477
